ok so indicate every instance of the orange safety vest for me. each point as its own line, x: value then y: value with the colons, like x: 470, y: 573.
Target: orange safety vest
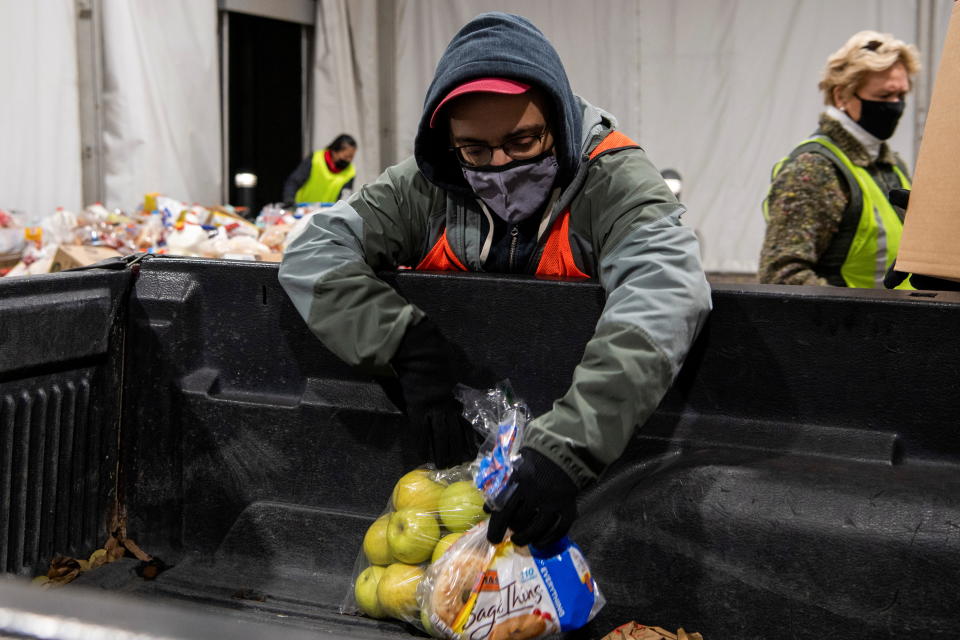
x: 557, y: 258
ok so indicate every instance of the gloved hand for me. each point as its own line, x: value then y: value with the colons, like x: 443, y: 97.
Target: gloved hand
x: 543, y: 504
x: 899, y: 197
x: 427, y: 379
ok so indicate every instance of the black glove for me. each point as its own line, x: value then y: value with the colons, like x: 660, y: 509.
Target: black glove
x: 543, y: 504
x: 427, y: 378
x: 893, y: 277
x: 899, y: 197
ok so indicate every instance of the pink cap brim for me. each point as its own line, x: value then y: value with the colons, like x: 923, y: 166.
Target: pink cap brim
x: 481, y: 85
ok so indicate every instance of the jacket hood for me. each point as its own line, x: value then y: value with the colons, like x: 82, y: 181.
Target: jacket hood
x: 507, y: 46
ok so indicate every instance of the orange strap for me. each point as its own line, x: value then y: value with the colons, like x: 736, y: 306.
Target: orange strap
x: 557, y: 259
x: 441, y: 257
x: 614, y: 140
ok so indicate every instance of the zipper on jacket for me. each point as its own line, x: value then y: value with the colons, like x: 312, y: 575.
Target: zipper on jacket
x: 514, y: 232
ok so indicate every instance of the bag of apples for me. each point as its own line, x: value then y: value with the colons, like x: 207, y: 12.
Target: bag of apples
x: 429, y: 509
x: 427, y: 560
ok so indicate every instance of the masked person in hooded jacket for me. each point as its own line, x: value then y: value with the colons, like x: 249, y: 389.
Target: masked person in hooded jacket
x: 512, y: 173
x: 829, y: 220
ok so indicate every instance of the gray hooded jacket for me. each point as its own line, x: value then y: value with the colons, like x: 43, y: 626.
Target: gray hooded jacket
x: 624, y: 229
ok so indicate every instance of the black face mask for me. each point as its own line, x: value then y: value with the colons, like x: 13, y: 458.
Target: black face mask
x: 341, y: 164
x: 880, y: 118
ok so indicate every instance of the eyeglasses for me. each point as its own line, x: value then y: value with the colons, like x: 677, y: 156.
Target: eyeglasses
x: 518, y: 148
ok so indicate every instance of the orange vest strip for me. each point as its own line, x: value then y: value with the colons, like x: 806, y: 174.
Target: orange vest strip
x: 557, y: 258
x: 441, y: 257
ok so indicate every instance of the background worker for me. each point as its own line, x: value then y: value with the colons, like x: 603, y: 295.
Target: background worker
x: 512, y: 173
x: 324, y: 176
x: 829, y: 220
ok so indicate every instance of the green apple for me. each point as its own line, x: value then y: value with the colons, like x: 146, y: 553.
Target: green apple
x: 397, y: 591
x: 417, y: 490
x: 425, y: 621
x: 460, y: 506
x: 365, y: 591
x: 443, y: 545
x: 412, y: 535
x: 375, y: 545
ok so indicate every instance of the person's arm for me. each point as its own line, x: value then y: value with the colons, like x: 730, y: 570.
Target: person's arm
x: 297, y: 179
x: 329, y: 271
x: 806, y: 204
x: 657, y: 300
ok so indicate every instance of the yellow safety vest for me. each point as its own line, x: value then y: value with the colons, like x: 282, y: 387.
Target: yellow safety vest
x: 324, y: 185
x: 876, y: 240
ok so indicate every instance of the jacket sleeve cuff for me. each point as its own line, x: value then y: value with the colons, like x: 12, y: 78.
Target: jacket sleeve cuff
x: 559, y: 451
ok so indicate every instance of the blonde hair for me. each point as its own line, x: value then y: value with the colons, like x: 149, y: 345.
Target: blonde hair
x: 865, y: 52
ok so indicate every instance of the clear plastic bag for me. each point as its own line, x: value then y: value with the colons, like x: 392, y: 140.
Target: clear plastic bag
x: 12, y: 241
x: 502, y: 418
x: 426, y: 560
x: 275, y: 236
x: 428, y: 511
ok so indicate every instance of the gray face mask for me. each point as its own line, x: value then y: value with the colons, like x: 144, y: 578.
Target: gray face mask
x: 517, y: 190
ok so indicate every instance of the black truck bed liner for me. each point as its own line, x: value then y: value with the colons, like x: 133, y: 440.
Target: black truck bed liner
x: 800, y: 477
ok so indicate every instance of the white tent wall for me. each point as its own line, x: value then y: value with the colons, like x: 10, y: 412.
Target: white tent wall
x: 344, y: 80
x: 717, y: 90
x: 39, y: 115
x: 729, y: 88
x: 161, y: 101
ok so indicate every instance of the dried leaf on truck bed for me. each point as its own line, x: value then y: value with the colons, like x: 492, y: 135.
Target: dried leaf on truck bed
x: 635, y: 631
x: 64, y: 569
x: 98, y: 558
x: 150, y: 569
x: 114, y: 548
x: 137, y: 552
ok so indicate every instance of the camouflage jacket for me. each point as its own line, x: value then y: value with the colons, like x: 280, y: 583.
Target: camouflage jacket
x: 806, y: 204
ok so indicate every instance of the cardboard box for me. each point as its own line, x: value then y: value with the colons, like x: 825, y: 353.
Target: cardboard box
x: 930, y: 244
x: 70, y: 256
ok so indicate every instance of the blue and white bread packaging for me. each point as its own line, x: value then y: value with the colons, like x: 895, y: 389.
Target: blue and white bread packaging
x: 479, y: 591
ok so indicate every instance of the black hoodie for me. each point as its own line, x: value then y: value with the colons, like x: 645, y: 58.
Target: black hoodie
x: 501, y: 45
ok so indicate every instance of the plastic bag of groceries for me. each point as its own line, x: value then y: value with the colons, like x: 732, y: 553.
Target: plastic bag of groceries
x: 428, y: 510
x: 427, y: 561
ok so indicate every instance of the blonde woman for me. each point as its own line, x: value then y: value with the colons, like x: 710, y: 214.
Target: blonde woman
x: 829, y: 221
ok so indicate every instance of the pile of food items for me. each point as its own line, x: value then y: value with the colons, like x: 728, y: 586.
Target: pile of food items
x: 160, y: 225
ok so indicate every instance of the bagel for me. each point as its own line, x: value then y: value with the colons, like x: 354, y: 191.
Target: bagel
x: 454, y: 578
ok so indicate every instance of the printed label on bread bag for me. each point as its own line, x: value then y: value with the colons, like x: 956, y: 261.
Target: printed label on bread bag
x: 520, y: 596
x: 511, y: 602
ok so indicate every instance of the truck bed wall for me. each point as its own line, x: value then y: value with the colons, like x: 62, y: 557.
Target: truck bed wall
x: 60, y: 380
